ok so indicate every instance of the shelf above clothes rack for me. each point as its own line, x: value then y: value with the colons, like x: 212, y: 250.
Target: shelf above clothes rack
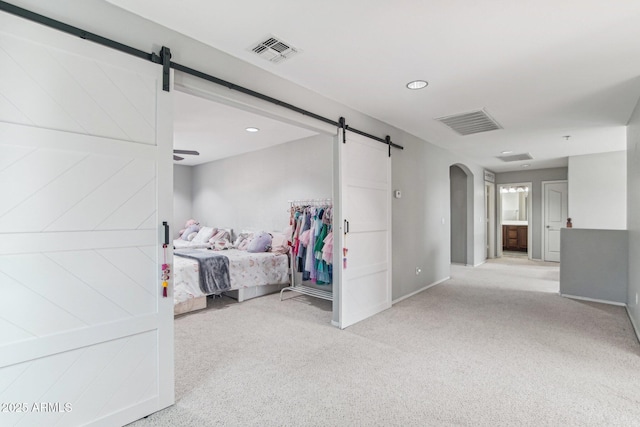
x: 301, y: 287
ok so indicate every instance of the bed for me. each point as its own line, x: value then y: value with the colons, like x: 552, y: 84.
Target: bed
x: 249, y: 275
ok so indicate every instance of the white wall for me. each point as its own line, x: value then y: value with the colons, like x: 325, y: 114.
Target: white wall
x: 421, y: 218
x: 182, y: 185
x: 633, y: 215
x: 598, y: 190
x: 421, y: 170
x: 250, y: 191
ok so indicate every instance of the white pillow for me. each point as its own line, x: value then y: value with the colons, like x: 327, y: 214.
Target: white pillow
x: 203, y: 235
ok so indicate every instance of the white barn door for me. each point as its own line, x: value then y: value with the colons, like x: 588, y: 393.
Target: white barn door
x: 365, y: 220
x: 85, y: 183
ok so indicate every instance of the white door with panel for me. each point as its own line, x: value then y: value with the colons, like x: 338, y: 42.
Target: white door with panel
x: 365, y: 225
x: 85, y: 183
x: 554, y: 217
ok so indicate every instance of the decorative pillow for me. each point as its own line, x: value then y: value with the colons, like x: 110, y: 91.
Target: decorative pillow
x: 204, y: 234
x: 192, y: 236
x: 190, y: 229
x: 241, y: 238
x: 261, y: 242
x: 222, y: 244
x: 221, y: 234
x: 279, y: 243
x: 245, y: 243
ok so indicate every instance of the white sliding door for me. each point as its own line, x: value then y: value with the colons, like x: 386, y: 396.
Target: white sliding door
x: 364, y: 182
x: 85, y: 183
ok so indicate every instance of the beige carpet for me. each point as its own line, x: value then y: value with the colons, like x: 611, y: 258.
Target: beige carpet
x: 495, y: 345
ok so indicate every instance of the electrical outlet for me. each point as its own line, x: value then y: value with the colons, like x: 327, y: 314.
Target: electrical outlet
x: 418, y: 271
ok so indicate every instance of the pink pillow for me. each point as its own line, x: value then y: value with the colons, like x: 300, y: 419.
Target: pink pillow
x: 279, y: 243
x: 219, y: 235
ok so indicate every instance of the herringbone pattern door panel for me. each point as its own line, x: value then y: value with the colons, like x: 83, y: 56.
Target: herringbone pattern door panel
x: 83, y: 191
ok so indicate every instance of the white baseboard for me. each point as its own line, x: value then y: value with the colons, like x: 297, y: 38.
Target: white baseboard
x: 420, y: 290
x: 480, y: 263
x: 602, y: 301
x: 635, y: 327
x: 336, y: 324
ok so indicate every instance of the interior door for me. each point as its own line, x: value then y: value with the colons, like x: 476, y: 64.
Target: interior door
x: 86, y: 337
x: 554, y: 217
x: 365, y: 223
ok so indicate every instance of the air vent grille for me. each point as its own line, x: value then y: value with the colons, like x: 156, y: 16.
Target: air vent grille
x: 516, y: 157
x: 273, y: 49
x: 470, y: 123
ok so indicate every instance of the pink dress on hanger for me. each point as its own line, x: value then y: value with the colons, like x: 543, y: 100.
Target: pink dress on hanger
x: 327, y: 249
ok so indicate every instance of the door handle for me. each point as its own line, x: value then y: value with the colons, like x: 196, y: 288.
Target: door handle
x: 166, y: 233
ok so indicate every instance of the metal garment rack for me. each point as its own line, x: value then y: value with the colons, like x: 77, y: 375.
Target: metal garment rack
x: 300, y: 287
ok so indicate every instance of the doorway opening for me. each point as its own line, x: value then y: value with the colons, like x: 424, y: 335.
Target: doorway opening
x: 490, y: 219
x: 243, y: 184
x: 461, y: 192
x: 514, y: 219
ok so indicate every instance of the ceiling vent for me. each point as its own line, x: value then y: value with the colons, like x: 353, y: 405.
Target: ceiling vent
x: 516, y: 157
x: 470, y: 123
x: 273, y: 49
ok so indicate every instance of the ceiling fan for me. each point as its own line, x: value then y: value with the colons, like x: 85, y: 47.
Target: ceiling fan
x: 178, y: 158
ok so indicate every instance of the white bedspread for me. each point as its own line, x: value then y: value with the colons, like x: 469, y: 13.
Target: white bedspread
x: 245, y: 270
x: 184, y: 244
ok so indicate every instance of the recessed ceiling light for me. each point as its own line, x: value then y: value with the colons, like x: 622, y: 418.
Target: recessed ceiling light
x: 507, y: 152
x: 526, y: 165
x: 417, y: 84
x: 252, y: 129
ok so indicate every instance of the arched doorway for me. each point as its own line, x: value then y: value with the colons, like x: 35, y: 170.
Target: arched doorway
x: 461, y: 187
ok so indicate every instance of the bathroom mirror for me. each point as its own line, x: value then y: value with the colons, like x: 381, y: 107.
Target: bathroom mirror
x: 514, y: 203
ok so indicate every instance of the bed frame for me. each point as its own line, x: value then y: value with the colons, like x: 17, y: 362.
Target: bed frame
x: 240, y: 295
x: 244, y: 294
x: 190, y: 305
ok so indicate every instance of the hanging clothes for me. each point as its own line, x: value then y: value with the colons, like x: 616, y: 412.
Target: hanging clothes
x: 302, y: 247
x: 327, y: 249
x: 311, y: 254
x: 322, y: 270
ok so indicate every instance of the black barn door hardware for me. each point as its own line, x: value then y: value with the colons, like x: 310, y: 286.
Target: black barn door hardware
x: 164, y: 58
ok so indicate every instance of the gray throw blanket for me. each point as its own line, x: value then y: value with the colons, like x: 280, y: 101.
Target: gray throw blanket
x: 213, y: 269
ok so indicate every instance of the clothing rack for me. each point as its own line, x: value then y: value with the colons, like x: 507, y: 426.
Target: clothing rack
x: 310, y: 202
x: 301, y: 287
